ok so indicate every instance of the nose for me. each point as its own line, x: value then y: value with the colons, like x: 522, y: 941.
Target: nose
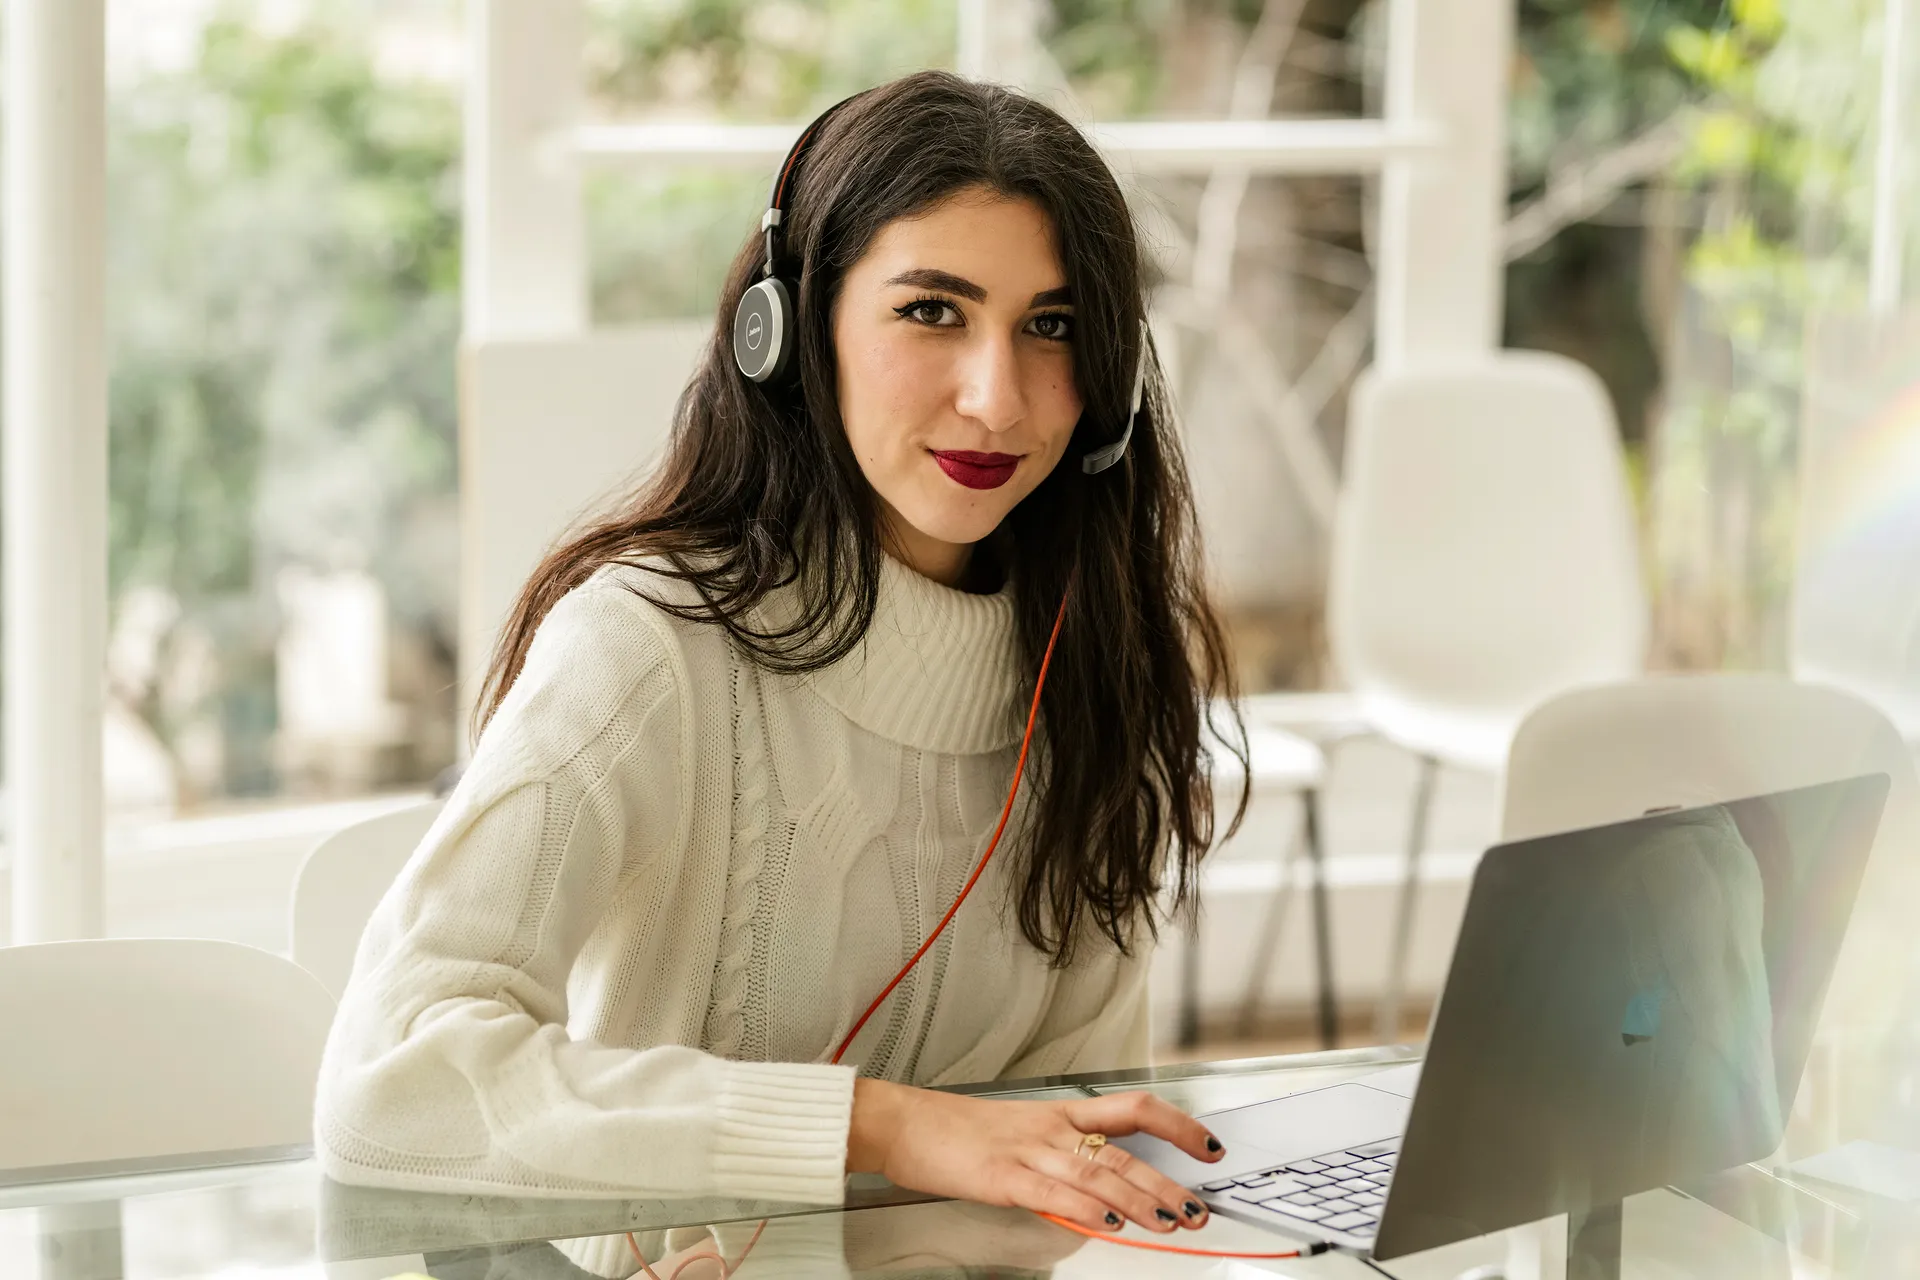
x: 990, y: 391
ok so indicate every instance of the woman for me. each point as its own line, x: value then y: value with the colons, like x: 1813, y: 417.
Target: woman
x: 745, y: 738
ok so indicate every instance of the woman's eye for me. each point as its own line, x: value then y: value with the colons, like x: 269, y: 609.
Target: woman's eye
x: 930, y: 311
x: 1057, y: 326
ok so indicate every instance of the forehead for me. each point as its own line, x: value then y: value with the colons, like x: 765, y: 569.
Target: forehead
x: 1005, y: 244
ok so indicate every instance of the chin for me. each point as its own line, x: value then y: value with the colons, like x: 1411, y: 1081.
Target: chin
x: 960, y: 534
x: 960, y: 528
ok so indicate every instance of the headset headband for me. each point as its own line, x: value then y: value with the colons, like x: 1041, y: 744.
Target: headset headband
x: 776, y: 215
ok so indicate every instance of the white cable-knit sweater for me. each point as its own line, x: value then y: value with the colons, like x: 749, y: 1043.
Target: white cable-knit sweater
x: 668, y: 884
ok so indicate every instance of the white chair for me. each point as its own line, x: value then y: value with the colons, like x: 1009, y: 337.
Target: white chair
x: 1611, y: 752
x: 1484, y: 559
x: 551, y: 428
x: 1283, y: 765
x: 340, y: 883
x: 154, y: 1048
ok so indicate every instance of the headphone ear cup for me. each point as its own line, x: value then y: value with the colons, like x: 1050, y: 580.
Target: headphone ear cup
x: 763, y: 330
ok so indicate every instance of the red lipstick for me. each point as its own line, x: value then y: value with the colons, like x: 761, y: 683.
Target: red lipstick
x: 977, y: 470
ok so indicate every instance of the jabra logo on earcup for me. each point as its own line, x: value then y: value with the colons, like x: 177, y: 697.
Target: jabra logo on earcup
x: 763, y: 330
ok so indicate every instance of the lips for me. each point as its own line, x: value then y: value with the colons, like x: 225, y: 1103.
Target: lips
x: 976, y: 470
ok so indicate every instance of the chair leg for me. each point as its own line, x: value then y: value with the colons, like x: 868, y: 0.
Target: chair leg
x: 1322, y: 921
x: 1267, y: 941
x: 1188, y: 1033
x: 1387, y: 1024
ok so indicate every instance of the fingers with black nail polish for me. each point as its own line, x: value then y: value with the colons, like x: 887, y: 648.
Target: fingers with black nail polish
x: 1192, y: 1207
x: 1113, y: 1220
x: 1213, y: 1145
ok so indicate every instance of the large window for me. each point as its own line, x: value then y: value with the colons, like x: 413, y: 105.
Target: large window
x: 1264, y: 297
x: 284, y: 282
x: 1691, y: 180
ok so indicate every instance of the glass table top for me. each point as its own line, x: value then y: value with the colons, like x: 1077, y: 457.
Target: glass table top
x: 270, y: 1215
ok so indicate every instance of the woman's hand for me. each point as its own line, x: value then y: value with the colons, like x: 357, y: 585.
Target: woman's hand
x: 1023, y: 1153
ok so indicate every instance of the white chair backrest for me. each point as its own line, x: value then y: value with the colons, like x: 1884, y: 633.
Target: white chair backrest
x: 1608, y: 752
x: 340, y: 883
x: 551, y: 428
x: 129, y: 1048
x: 1484, y: 553
x: 1612, y: 752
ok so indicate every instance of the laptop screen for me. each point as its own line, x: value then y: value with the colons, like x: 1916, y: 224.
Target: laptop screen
x: 1628, y: 1006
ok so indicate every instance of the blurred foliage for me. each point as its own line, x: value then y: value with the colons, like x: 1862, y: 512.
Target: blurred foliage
x: 785, y: 58
x: 1591, y: 73
x: 1785, y: 158
x: 758, y: 59
x: 661, y: 239
x: 1113, y: 51
x: 1779, y: 164
x: 1769, y: 205
x: 1590, y: 76
x: 284, y: 269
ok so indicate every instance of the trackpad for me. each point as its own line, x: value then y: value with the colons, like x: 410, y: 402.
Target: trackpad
x: 1267, y: 1134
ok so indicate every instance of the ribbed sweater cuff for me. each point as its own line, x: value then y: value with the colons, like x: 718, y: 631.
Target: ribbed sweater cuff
x: 781, y: 1131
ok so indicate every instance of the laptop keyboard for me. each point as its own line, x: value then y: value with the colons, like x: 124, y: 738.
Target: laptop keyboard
x: 1341, y: 1191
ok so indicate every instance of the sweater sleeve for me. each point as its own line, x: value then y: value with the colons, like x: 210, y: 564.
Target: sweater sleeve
x: 1096, y: 1017
x: 450, y: 1065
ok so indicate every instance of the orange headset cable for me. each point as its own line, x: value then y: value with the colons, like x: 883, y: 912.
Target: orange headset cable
x: 1313, y: 1250
x: 1019, y: 770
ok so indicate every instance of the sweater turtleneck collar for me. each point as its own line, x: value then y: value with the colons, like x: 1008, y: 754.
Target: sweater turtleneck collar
x: 937, y: 670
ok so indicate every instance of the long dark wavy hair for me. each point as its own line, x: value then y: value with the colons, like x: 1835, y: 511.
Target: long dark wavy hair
x: 759, y: 491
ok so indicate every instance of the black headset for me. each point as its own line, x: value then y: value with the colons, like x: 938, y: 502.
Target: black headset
x: 764, y: 332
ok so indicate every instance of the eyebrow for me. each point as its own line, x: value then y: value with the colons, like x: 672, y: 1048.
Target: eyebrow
x: 947, y: 282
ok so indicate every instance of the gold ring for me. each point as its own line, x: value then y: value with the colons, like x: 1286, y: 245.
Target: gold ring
x: 1090, y: 1144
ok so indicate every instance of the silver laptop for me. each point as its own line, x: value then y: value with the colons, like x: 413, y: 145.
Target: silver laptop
x: 1628, y: 1006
